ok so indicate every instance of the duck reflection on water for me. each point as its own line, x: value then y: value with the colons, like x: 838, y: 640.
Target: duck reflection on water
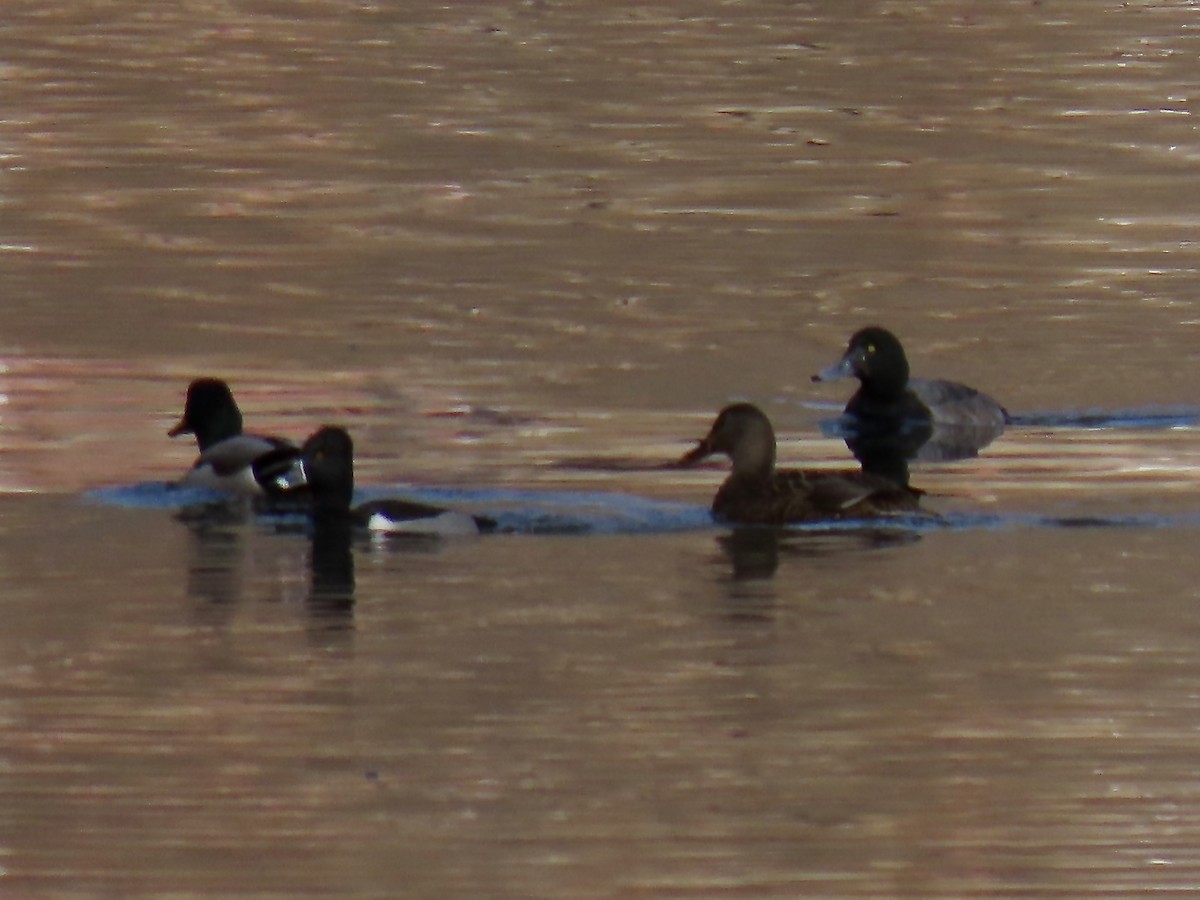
x: 331, y: 571
x: 755, y: 552
x: 235, y: 554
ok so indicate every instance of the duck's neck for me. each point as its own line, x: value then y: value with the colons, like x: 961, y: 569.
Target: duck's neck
x: 890, y: 467
x: 886, y: 453
x: 335, y: 501
x: 754, y: 460
x: 888, y: 384
x: 222, y: 425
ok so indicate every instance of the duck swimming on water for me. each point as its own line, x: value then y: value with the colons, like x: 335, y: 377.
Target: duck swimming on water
x: 327, y: 468
x: 230, y: 460
x: 888, y: 399
x: 757, y: 493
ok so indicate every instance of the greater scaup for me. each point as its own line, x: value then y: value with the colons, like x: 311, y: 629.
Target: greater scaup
x: 888, y: 399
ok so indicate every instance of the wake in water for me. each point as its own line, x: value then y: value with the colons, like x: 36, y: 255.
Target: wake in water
x: 515, y: 511
x: 1148, y: 417
x: 593, y: 512
x: 596, y: 513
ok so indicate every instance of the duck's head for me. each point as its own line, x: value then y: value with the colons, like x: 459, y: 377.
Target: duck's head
x: 209, y: 412
x: 876, y: 358
x: 744, y: 434
x: 327, y: 464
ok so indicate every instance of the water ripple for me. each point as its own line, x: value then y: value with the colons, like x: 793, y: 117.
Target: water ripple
x: 595, y: 513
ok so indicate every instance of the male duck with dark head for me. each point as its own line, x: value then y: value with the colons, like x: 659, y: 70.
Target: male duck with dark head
x: 327, y: 467
x: 757, y: 493
x: 231, y: 461
x: 888, y: 399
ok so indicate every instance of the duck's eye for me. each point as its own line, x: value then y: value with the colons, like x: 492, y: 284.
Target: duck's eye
x: 870, y: 348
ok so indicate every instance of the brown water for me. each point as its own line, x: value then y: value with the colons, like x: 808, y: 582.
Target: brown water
x: 535, y: 246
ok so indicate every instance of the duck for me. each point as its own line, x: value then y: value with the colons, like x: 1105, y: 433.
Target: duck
x: 756, y: 493
x: 327, y: 468
x: 889, y: 400
x: 231, y: 461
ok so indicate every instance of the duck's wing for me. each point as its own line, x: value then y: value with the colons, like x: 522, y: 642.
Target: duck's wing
x: 839, y: 492
x: 280, y: 470
x: 832, y: 495
x: 233, y: 454
x: 791, y: 496
x: 953, y: 403
x: 249, y: 464
x: 781, y: 497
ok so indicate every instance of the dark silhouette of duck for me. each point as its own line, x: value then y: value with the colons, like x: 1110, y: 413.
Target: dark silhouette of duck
x: 887, y: 398
x: 757, y: 493
x: 327, y: 468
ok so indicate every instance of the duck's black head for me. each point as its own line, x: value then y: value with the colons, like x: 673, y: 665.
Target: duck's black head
x: 876, y: 358
x: 327, y: 459
x: 209, y: 412
x: 742, y: 432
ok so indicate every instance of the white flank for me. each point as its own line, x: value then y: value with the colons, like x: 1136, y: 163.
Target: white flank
x: 448, y: 524
x: 240, y: 482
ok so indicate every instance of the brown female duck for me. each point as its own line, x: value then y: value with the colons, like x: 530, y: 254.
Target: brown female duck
x: 757, y: 493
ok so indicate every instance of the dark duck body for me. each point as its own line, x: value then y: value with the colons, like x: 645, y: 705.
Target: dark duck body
x: 757, y: 493
x: 327, y: 468
x: 888, y: 399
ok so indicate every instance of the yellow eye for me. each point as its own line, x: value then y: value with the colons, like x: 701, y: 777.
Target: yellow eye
x: 870, y: 348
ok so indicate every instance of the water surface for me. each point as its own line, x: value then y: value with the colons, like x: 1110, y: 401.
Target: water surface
x: 524, y: 252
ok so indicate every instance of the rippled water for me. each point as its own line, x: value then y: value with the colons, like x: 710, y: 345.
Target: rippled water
x: 524, y: 252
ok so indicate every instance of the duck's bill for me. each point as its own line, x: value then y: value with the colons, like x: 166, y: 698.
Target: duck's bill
x: 180, y: 428
x: 843, y: 368
x: 701, y: 451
